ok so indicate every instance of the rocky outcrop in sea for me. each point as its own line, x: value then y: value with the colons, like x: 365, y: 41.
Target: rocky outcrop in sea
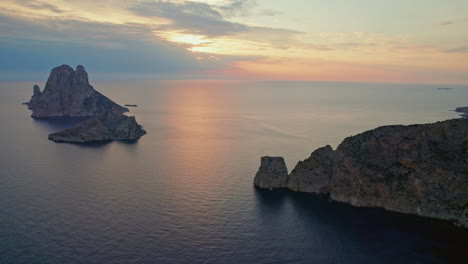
x: 68, y: 93
x: 111, y: 125
x: 416, y: 169
x: 272, y: 173
x: 463, y: 110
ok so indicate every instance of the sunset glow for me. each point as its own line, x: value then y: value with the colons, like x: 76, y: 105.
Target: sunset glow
x: 426, y: 42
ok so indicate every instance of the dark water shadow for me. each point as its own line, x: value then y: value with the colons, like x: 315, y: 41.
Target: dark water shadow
x: 271, y: 200
x: 367, y: 235
x: 96, y: 144
x: 60, y: 123
x: 129, y: 144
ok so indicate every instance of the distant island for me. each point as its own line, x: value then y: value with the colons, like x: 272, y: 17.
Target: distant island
x: 463, y: 110
x: 416, y: 169
x: 68, y: 93
x: 111, y: 125
x: 444, y: 88
x: 131, y: 105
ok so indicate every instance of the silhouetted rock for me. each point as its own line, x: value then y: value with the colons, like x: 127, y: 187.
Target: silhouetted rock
x: 272, y: 173
x: 416, y: 169
x: 68, y: 94
x: 111, y: 125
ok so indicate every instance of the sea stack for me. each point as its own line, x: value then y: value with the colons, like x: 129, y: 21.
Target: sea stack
x: 272, y: 173
x: 416, y: 169
x: 68, y: 93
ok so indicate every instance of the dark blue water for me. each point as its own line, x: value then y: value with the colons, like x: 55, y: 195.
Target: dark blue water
x: 184, y: 194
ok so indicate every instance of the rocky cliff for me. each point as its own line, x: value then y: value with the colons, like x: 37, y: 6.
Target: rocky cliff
x: 314, y: 173
x: 416, y: 169
x: 272, y: 173
x: 111, y: 125
x: 68, y: 93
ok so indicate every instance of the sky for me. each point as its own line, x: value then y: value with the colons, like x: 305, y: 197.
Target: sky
x: 398, y: 41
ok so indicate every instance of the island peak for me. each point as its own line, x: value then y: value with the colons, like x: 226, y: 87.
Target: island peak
x: 68, y: 93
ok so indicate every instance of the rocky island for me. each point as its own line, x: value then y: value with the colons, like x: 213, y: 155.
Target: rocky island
x: 416, y: 169
x: 111, y: 125
x: 68, y: 94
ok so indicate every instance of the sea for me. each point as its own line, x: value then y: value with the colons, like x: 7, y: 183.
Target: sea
x: 184, y: 192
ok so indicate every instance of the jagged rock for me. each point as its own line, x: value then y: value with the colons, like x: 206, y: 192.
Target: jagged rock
x: 416, y: 169
x: 313, y: 175
x: 36, y: 90
x: 272, y: 173
x: 111, y: 125
x: 68, y: 94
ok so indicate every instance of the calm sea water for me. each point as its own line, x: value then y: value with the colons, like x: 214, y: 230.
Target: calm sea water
x: 184, y: 194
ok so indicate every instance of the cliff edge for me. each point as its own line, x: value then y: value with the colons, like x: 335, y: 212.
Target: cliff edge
x: 416, y: 169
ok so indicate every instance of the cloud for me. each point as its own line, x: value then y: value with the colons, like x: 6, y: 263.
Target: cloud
x: 191, y: 17
x: 30, y: 45
x: 459, y: 49
x: 36, y: 4
x: 446, y: 23
x: 36, y: 45
x: 453, y: 20
x: 269, y: 12
x: 61, y: 29
x: 238, y: 8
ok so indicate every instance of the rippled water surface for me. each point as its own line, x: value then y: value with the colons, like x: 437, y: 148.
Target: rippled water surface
x: 184, y: 194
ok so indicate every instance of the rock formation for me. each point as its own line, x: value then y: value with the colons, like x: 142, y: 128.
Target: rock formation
x: 313, y: 174
x: 463, y: 110
x: 416, y: 169
x: 111, y: 125
x: 68, y: 94
x: 272, y: 173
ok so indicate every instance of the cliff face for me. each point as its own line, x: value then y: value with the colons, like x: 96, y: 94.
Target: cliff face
x: 313, y: 174
x: 417, y: 169
x: 112, y: 125
x: 68, y: 94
